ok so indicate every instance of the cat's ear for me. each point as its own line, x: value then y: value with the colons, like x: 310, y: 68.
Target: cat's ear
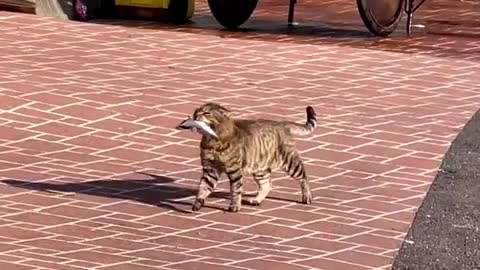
x: 217, y: 109
x: 224, y: 111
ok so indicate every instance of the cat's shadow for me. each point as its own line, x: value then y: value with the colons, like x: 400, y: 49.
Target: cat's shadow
x: 159, y: 191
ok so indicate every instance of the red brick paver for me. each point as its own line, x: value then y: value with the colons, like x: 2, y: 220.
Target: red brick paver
x: 95, y: 177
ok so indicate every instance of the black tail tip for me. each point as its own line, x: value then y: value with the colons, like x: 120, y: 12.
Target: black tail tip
x: 310, y: 111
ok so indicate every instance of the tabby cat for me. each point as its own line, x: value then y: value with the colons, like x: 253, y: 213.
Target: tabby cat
x: 254, y: 147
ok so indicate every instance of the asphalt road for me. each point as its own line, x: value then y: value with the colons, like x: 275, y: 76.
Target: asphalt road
x: 446, y: 231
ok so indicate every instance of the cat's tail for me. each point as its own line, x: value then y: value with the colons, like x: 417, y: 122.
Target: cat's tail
x: 308, y: 127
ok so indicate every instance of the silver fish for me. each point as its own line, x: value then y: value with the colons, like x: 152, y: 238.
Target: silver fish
x: 202, y: 127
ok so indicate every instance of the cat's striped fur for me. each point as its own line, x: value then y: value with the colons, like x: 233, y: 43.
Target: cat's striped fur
x: 254, y: 147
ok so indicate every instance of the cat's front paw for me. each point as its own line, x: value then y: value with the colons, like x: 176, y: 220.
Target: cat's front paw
x: 307, y: 198
x: 234, y: 208
x: 197, y: 204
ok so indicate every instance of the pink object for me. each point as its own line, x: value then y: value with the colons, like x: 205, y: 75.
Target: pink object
x: 81, y: 9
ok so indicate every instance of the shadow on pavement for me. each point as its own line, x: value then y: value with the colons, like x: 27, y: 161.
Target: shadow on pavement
x: 160, y: 191
x: 451, y: 28
x: 256, y: 29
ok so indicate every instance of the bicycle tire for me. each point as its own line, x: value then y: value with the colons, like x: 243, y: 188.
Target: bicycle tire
x: 377, y: 21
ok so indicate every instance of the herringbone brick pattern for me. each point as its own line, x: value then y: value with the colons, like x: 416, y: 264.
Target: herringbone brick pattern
x: 95, y: 177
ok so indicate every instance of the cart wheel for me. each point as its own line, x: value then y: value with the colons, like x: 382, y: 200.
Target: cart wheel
x: 381, y: 17
x: 181, y: 10
x: 232, y: 13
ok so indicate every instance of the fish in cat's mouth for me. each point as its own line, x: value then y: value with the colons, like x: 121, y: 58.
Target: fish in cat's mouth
x: 200, y: 126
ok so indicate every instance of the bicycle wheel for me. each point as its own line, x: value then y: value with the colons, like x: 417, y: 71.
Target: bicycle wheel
x: 381, y: 17
x: 232, y: 13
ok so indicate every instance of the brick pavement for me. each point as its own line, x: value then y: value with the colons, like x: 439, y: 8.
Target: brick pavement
x: 337, y: 22
x: 94, y: 176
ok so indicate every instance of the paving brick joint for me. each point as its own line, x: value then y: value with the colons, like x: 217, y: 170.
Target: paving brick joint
x: 95, y: 177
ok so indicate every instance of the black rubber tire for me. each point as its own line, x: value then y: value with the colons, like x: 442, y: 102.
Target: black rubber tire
x: 232, y: 13
x: 179, y: 10
x: 375, y: 25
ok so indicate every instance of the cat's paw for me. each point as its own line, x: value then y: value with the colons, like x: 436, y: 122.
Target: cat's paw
x: 234, y: 208
x: 198, y: 204
x: 252, y: 201
x: 307, y: 198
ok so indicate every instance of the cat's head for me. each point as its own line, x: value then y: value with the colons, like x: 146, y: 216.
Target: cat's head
x: 212, y: 114
x: 210, y: 119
